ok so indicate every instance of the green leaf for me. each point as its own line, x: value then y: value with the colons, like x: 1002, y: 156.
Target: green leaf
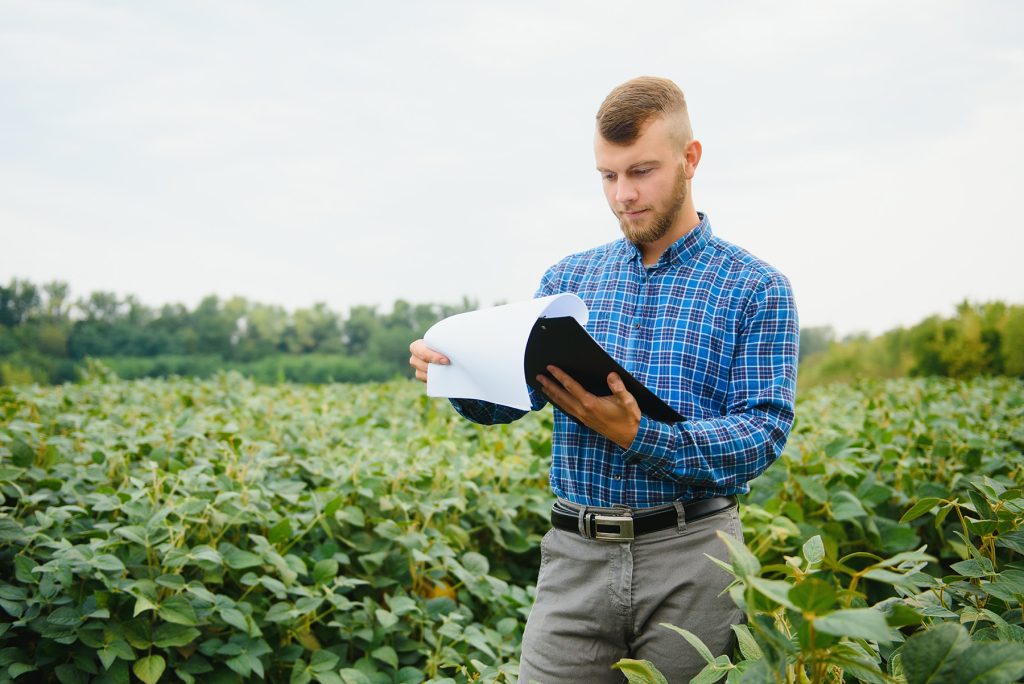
x: 332, y: 506
x: 920, y: 508
x: 693, y: 640
x: 206, y: 554
x: 237, y: 559
x: 150, y: 668
x: 235, y: 618
x: 353, y: 515
x: 106, y: 656
x: 1008, y: 586
x: 65, y: 616
x: 133, y: 533
x: 476, y: 563
x: 776, y: 590
x: 138, y: 632
x: 814, y: 550
x: 813, y: 488
x: 856, y: 623
x: 973, y: 567
x: 846, y: 506
x: 1012, y: 540
x: 385, y: 617
x: 931, y: 656
x: 400, y: 605
x: 712, y: 673
x: 991, y: 663
x: 325, y: 570
x: 22, y: 455
x: 409, y: 675
x: 322, y: 661
x: 280, y: 532
x: 902, y: 615
x: 744, y: 563
x: 640, y: 671
x: 169, y: 634
x: 748, y: 646
x: 350, y: 675
x: 171, y: 581
x: 178, y: 610
x: 274, y: 586
x: 813, y: 595
x: 143, y: 604
x: 108, y: 563
x: 244, y: 664
x: 17, y: 669
x: 386, y: 654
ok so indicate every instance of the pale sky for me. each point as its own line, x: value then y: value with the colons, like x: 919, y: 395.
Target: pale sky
x: 358, y: 153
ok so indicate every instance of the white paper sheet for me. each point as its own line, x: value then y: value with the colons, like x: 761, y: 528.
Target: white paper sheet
x: 487, y: 348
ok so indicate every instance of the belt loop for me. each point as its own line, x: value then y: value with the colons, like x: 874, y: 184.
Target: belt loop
x: 680, y: 517
x: 584, y: 532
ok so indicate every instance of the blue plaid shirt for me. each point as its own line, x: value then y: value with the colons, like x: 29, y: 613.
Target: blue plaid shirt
x: 713, y: 331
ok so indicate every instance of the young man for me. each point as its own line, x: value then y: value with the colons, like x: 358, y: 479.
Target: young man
x: 714, y: 332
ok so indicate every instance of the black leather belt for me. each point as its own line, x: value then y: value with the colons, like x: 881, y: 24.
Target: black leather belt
x: 624, y: 527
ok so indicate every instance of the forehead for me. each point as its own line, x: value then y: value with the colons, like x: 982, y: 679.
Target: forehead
x: 653, y: 144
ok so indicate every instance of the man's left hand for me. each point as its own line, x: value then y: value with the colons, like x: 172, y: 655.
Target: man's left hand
x: 617, y: 416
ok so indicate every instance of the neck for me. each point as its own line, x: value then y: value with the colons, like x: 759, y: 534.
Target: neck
x: 687, y: 221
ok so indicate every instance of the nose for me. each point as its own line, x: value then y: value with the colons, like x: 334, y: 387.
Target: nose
x: 625, y: 190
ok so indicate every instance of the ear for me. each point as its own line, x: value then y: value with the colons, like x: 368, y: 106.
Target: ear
x: 691, y: 157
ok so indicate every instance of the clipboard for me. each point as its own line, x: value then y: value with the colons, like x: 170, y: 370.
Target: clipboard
x: 561, y: 341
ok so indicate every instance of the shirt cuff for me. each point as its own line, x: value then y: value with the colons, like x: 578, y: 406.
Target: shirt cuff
x: 652, y: 447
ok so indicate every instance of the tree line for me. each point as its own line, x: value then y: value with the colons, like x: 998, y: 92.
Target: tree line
x: 979, y: 339
x: 47, y: 337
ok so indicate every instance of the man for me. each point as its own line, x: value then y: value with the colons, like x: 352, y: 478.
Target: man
x: 713, y: 331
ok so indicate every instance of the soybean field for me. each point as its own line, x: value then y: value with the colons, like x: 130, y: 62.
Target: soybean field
x: 222, y: 531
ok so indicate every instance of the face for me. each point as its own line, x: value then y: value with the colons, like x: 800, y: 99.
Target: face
x: 645, y: 183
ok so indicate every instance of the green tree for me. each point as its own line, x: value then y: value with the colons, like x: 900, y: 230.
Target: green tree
x: 1013, y: 341
x: 19, y: 301
x: 359, y: 328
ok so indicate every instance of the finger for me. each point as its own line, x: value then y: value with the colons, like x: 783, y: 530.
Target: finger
x: 575, y: 388
x: 418, y: 363
x: 619, y: 391
x: 420, y: 350
x: 421, y: 376
x: 617, y: 387
x: 559, y: 396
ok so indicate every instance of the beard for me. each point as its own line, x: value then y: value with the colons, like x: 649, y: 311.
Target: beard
x: 660, y: 222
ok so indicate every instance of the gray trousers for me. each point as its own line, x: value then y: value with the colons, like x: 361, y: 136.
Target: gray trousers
x: 600, y: 601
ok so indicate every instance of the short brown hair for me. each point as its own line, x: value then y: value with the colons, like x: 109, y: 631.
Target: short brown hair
x: 630, y: 106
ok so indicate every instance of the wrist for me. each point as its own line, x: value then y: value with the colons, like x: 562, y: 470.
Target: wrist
x: 626, y: 437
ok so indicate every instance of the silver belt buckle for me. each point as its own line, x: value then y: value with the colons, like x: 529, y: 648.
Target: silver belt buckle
x: 625, y: 524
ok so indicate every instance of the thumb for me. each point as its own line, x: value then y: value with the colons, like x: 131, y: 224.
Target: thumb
x: 616, y: 385
x: 622, y: 395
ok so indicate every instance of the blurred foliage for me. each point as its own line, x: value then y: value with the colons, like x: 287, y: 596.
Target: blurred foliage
x: 980, y: 339
x: 45, y: 337
x: 223, y: 531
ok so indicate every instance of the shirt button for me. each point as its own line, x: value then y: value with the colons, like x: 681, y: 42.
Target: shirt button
x: 618, y: 477
x: 637, y: 325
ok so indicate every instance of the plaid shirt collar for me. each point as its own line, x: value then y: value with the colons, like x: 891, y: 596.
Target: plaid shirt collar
x: 680, y: 251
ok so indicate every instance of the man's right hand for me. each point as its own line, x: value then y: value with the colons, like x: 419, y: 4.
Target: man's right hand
x: 421, y: 356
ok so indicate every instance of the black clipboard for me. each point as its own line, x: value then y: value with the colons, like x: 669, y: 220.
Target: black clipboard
x: 562, y: 342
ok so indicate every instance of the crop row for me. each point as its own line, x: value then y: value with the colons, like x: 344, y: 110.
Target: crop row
x: 220, y: 531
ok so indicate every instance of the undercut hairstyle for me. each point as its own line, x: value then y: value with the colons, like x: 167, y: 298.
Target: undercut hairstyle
x: 630, y: 106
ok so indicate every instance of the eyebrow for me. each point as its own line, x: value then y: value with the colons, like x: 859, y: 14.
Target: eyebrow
x: 633, y: 166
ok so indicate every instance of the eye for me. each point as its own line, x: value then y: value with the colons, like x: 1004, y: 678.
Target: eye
x: 608, y: 176
x: 642, y: 172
